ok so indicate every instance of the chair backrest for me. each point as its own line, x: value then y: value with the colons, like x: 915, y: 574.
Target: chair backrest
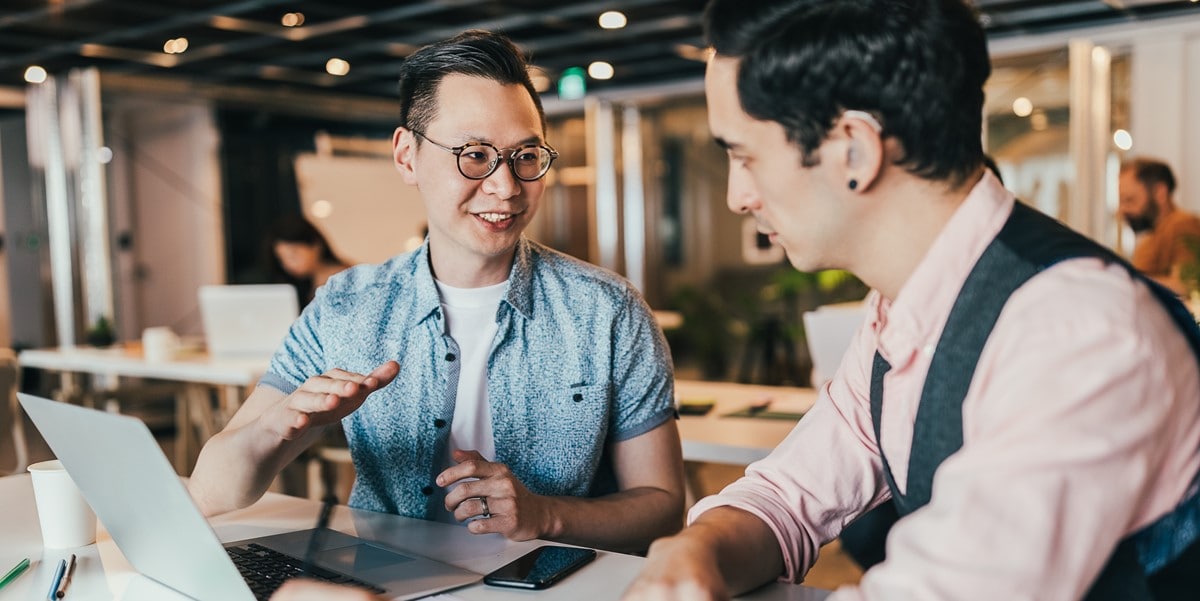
x: 12, y: 429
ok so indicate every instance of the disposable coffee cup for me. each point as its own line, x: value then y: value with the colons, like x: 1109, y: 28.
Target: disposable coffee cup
x: 159, y: 344
x: 66, y: 518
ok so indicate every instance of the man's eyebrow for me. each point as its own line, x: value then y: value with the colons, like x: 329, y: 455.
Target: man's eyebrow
x: 531, y: 140
x: 726, y: 144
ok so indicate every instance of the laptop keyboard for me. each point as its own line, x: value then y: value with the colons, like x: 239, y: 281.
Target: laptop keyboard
x: 265, y: 570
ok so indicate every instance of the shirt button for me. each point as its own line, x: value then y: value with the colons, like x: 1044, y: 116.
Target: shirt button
x: 449, y: 356
x: 439, y: 423
x: 428, y: 490
x: 578, y: 397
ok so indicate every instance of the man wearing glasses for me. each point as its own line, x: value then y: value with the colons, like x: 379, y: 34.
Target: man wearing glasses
x: 482, y: 378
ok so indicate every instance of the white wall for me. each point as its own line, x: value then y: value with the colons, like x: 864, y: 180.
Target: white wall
x: 373, y: 213
x: 166, y: 191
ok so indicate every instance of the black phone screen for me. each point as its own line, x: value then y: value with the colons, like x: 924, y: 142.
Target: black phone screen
x: 541, y: 567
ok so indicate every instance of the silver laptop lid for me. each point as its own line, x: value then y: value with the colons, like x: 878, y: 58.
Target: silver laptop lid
x: 121, y: 471
x: 247, y: 321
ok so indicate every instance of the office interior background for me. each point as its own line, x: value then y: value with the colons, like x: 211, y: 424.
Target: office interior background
x: 146, y: 147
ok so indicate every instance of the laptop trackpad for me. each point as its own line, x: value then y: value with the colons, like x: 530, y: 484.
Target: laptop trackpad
x: 358, y: 558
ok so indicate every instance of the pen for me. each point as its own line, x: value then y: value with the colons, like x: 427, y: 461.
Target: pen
x: 66, y: 580
x: 58, y: 574
x: 15, y: 572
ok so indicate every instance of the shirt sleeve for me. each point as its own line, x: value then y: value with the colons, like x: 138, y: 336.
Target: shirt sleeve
x: 823, y: 475
x: 301, y: 355
x: 1080, y: 427
x: 643, y: 376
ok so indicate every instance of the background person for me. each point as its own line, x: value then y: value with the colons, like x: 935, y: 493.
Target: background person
x: 482, y: 375
x: 1168, y: 237
x: 300, y: 256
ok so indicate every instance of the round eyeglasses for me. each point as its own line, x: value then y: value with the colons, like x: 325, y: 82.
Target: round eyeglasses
x: 478, y: 160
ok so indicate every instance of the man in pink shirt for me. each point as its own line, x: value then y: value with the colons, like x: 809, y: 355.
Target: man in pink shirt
x: 1028, y: 402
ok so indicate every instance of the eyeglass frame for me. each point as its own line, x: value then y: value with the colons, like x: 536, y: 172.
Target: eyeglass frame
x: 512, y: 168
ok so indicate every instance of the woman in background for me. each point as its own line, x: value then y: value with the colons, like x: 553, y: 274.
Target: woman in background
x: 301, y: 256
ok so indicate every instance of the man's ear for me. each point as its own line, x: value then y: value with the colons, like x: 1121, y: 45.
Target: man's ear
x: 864, y: 156
x: 404, y: 152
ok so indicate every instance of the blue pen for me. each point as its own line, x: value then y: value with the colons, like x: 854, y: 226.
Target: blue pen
x: 58, y: 574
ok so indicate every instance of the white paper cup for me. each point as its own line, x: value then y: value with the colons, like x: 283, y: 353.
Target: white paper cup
x: 159, y: 344
x: 66, y: 518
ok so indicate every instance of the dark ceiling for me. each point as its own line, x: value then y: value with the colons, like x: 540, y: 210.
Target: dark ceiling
x: 242, y: 44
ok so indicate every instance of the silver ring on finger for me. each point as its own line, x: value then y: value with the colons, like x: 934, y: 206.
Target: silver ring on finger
x: 487, y: 513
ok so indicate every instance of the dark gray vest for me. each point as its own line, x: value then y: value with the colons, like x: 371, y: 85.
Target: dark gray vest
x: 1158, y: 563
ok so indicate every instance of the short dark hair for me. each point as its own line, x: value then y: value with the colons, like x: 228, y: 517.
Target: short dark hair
x: 917, y: 65
x: 474, y: 52
x: 1150, y: 171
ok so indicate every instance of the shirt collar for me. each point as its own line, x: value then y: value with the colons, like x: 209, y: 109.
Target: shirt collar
x: 913, y: 321
x: 520, y: 282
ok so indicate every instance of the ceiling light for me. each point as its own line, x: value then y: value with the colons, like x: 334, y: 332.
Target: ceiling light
x: 175, y: 45
x: 600, y: 70
x: 292, y: 19
x: 1122, y: 139
x: 337, y: 66
x: 1022, y: 107
x: 615, y: 19
x: 322, y: 209
x: 104, y: 155
x: 35, y: 74
x: 541, y: 82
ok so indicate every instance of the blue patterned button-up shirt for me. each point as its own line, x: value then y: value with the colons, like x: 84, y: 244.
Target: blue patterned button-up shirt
x: 577, y: 364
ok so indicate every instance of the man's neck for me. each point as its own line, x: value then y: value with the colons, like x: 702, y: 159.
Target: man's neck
x: 910, y: 214
x: 467, y: 270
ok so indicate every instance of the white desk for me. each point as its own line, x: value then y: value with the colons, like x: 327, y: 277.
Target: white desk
x: 197, y: 371
x: 718, y: 438
x: 103, y: 574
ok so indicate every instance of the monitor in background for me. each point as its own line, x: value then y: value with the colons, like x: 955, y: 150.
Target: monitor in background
x: 247, y: 320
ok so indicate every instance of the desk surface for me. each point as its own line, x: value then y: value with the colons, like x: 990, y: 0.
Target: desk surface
x: 188, y: 366
x: 718, y: 438
x: 103, y: 574
x: 714, y: 438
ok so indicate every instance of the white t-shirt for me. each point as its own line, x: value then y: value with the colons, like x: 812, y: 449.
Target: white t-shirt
x: 471, y: 322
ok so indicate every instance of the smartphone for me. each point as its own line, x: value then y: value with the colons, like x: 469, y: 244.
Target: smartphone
x: 541, y: 567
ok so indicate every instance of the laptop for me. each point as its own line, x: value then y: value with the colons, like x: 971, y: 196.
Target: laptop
x: 828, y: 330
x: 247, y: 321
x: 121, y: 471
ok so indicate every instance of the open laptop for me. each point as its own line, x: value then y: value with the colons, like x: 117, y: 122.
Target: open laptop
x: 247, y: 320
x: 828, y: 331
x: 121, y: 471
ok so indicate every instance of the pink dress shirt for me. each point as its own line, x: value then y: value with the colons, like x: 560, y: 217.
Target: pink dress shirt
x: 1082, y: 424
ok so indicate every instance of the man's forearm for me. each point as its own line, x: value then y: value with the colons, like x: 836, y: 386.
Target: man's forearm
x: 236, y: 467
x: 745, y: 548
x: 627, y: 521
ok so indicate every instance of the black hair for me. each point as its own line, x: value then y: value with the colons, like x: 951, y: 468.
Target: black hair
x: 296, y: 229
x: 917, y: 65
x: 1150, y: 172
x: 474, y: 52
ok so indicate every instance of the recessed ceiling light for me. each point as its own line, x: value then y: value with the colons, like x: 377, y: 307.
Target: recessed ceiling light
x: 292, y: 19
x: 614, y: 19
x: 600, y: 70
x: 1122, y: 139
x: 337, y: 66
x: 1022, y: 107
x: 175, y: 45
x: 35, y: 74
